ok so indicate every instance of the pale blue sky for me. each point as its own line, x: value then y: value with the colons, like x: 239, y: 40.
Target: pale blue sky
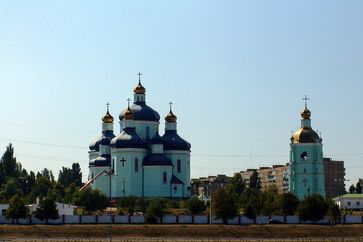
x: 236, y: 71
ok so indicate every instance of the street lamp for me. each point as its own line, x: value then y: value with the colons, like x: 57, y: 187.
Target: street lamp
x: 109, y: 173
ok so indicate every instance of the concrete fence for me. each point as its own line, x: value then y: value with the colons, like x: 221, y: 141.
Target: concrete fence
x: 173, y: 219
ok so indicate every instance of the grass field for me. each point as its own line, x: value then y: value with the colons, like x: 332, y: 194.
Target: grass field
x: 181, y: 232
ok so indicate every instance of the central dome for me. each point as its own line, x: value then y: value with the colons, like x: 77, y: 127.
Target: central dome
x: 142, y: 112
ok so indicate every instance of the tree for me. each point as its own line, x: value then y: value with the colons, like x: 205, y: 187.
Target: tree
x: 255, y: 181
x: 237, y: 185
x: 8, y: 162
x: 195, y: 206
x: 156, y: 208
x: 9, y: 189
x: 224, y: 205
x: 17, y: 208
x: 68, y: 176
x: 91, y: 200
x: 352, y: 189
x: 288, y: 203
x: 128, y: 203
x: 47, y: 210
x: 358, y: 188
x: 250, y: 211
x: 270, y: 201
x: 333, y: 211
x: 312, y: 208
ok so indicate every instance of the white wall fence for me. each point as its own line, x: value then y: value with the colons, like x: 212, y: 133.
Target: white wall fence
x: 174, y: 219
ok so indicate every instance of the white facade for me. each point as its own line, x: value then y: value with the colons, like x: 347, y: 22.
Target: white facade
x: 3, y: 208
x: 349, y: 201
x: 63, y: 208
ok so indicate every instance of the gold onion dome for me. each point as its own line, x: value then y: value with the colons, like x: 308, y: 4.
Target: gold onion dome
x: 128, y: 114
x: 139, y: 89
x: 170, y: 118
x: 107, y: 118
x: 305, y: 113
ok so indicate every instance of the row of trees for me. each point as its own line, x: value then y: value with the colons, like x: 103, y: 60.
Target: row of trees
x: 236, y: 198
x: 358, y: 188
x: 18, y: 187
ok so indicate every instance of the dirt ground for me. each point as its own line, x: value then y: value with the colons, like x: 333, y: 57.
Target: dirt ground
x: 171, y: 232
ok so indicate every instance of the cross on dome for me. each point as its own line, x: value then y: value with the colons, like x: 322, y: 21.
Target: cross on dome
x: 306, y: 99
x: 108, y: 105
x: 171, y: 105
x: 139, y: 74
x: 128, y: 102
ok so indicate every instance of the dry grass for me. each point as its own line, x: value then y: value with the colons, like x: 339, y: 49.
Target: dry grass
x: 181, y: 231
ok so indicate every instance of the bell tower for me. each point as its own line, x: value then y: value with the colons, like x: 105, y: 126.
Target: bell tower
x: 306, y: 166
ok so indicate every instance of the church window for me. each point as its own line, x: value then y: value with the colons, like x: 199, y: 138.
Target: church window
x: 92, y: 177
x: 178, y: 166
x: 175, y: 188
x: 164, y: 177
x: 113, y: 164
x: 304, y: 155
x: 304, y: 170
x: 147, y: 132
x: 136, y: 165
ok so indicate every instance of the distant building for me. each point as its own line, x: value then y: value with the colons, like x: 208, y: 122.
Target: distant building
x: 208, y: 185
x: 276, y: 175
x: 334, y: 173
x: 350, y: 201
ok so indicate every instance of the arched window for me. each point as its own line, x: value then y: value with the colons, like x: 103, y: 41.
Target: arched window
x: 147, y: 132
x: 178, y: 166
x: 165, y: 177
x: 136, y: 165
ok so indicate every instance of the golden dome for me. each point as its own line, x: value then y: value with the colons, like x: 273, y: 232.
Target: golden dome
x: 305, y: 135
x: 139, y: 89
x: 128, y: 114
x: 107, y: 118
x: 170, y: 118
x: 305, y: 113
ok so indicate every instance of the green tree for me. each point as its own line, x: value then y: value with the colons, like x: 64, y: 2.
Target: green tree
x: 17, y: 208
x: 47, y: 210
x: 255, y: 181
x: 156, y: 208
x: 91, y: 200
x: 252, y: 197
x: 8, y: 163
x: 333, y: 211
x: 195, y: 206
x: 250, y: 211
x: 270, y: 201
x: 128, y: 203
x: 141, y: 205
x: 352, y: 189
x: 237, y: 185
x: 224, y: 205
x: 288, y: 203
x: 68, y: 176
x: 358, y: 188
x: 9, y: 189
x: 312, y: 208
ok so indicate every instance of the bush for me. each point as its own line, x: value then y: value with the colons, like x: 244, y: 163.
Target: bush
x: 312, y: 208
x: 195, y: 206
x: 156, y: 208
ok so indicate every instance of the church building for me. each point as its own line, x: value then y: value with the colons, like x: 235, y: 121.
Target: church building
x: 306, y: 167
x: 138, y: 160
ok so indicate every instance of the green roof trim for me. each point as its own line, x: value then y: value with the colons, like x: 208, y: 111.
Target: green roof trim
x: 350, y: 196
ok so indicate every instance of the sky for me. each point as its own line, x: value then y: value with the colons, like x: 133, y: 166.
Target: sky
x: 236, y: 72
